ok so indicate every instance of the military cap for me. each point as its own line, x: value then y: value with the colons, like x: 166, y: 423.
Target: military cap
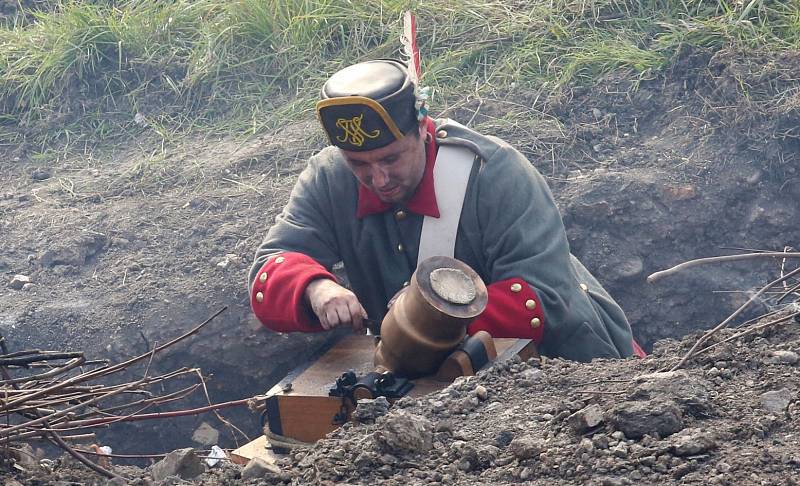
x: 368, y: 105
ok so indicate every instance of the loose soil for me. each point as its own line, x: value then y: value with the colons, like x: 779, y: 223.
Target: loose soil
x: 132, y: 242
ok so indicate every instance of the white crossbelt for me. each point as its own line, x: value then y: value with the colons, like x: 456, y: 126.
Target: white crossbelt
x: 450, y: 178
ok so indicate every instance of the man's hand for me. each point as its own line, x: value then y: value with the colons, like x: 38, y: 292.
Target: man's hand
x: 334, y: 305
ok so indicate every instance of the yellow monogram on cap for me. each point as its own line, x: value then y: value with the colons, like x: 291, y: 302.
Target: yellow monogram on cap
x: 353, y: 133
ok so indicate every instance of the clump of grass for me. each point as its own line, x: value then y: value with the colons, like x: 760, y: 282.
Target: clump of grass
x: 247, y: 65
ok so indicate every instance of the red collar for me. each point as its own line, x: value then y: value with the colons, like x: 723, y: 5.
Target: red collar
x: 424, y: 199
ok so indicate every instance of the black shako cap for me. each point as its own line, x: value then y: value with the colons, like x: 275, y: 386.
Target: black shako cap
x: 368, y: 105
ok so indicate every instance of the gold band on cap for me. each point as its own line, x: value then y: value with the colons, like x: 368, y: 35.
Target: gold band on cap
x: 361, y: 100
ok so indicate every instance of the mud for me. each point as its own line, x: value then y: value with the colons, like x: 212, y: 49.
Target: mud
x: 131, y: 243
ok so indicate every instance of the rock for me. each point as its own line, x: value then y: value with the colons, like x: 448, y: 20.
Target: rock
x: 229, y: 259
x: 257, y: 468
x: 487, y: 454
x: 40, y: 174
x: 73, y: 252
x: 388, y: 459
x: 755, y: 177
x: 206, y: 435
x: 783, y: 357
x: 776, y: 401
x: 504, y: 438
x: 119, y: 242
x: 525, y: 447
x: 27, y: 287
x: 19, y: 281
x: 635, y: 419
x: 530, y: 377
x: 25, y: 456
x: 621, y: 451
x: 402, y: 431
x: 586, y: 445
x: 629, y: 268
x: 368, y: 410
x: 183, y: 463
x: 678, y: 192
x: 600, y: 441
x: 481, y: 392
x: 585, y: 419
x: 690, y: 442
x: 662, y: 375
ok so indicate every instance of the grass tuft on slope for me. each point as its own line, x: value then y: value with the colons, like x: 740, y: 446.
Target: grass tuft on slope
x: 92, y: 70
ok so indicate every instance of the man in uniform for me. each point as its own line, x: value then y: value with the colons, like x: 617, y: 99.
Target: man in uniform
x: 365, y: 199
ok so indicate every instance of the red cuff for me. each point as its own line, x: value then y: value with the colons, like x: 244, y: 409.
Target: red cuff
x: 278, y: 294
x: 514, y: 311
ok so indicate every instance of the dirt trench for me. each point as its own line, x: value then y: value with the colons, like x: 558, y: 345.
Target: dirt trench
x: 126, y: 247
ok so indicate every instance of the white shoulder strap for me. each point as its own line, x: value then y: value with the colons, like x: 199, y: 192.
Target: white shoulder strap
x: 450, y: 178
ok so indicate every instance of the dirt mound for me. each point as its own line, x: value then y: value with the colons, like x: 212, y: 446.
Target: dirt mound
x: 731, y: 417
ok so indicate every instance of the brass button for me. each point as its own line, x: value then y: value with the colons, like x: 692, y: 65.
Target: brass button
x: 263, y: 277
x: 400, y: 215
x: 530, y: 304
x: 535, y: 322
x: 259, y: 297
x: 280, y: 260
x: 516, y: 287
x: 584, y: 287
x: 400, y: 247
x: 441, y: 134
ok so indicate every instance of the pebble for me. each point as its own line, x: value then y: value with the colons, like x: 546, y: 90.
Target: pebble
x: 368, y: 410
x: 600, y: 441
x: 18, y: 282
x: 40, y: 175
x: 184, y: 463
x: 783, y: 357
x: 690, y: 442
x: 525, y: 447
x: 586, y: 445
x: 530, y: 377
x: 257, y: 468
x: 776, y: 401
x: 405, y: 432
x: 504, y: 438
x: 205, y: 434
x: 585, y: 419
x: 481, y: 392
x: 620, y: 451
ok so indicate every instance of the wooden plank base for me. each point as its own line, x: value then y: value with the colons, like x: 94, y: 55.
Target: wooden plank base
x: 299, y: 406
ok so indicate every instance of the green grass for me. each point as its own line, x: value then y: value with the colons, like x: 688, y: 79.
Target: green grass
x: 251, y: 65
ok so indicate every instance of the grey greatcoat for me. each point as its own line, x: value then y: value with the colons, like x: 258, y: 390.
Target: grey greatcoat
x: 509, y: 228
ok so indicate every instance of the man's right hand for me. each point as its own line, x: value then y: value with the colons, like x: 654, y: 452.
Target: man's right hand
x: 334, y: 305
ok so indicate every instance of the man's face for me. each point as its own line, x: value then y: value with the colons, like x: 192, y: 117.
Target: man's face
x: 392, y: 172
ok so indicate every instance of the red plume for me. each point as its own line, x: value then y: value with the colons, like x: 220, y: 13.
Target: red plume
x: 409, y: 41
